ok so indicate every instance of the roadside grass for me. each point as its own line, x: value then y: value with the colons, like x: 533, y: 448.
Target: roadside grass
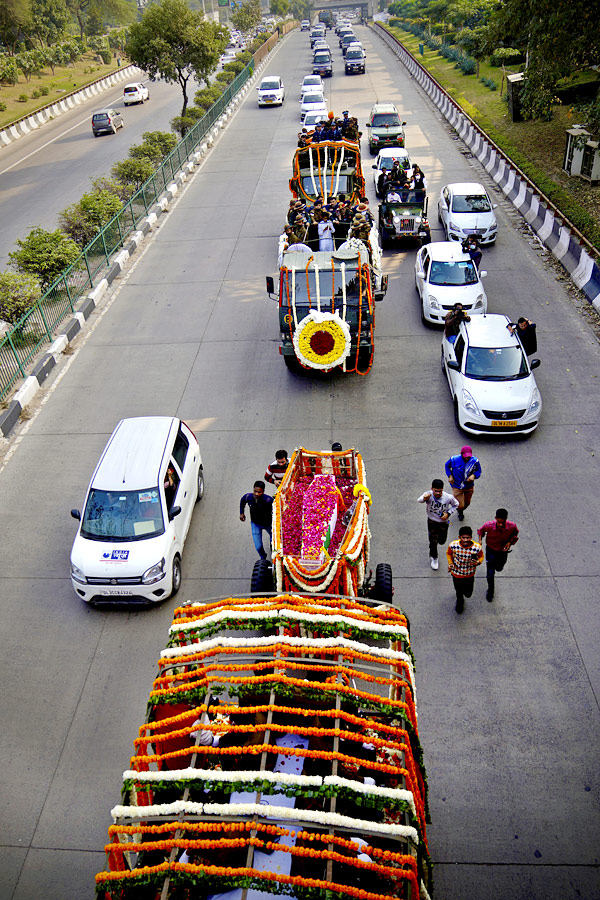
x: 64, y: 80
x: 536, y: 147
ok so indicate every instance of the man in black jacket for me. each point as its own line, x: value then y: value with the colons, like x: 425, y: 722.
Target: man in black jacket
x: 260, y: 506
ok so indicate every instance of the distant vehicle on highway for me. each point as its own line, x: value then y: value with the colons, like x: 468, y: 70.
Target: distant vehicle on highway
x: 465, y: 209
x: 271, y: 91
x: 106, y: 121
x: 135, y: 93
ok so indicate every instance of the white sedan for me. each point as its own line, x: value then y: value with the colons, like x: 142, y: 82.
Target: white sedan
x: 271, y: 91
x: 465, y: 209
x: 445, y: 275
x: 313, y: 102
x: 490, y: 378
x: 310, y: 84
x: 385, y: 160
x: 135, y: 93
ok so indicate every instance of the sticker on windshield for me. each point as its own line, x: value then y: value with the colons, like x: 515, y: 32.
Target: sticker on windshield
x: 148, y: 496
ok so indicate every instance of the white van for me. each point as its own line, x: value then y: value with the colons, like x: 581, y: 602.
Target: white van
x: 137, y: 512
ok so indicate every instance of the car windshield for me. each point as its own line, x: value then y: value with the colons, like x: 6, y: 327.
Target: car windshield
x: 405, y: 197
x: 313, y: 98
x: 122, y: 515
x: 305, y: 293
x: 382, y: 119
x: 354, y: 54
x: 470, y: 203
x: 339, y: 183
x: 496, y: 363
x: 453, y: 273
x: 269, y: 84
x: 311, y: 81
x: 321, y: 58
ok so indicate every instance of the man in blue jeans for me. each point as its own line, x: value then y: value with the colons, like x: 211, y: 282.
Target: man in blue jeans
x: 261, y: 511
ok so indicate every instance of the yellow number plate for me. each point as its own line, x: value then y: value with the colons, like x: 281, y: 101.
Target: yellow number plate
x: 508, y: 424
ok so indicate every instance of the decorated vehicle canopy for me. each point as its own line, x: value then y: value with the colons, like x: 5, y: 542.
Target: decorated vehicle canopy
x: 328, y: 307
x: 280, y: 755
x: 327, y: 170
x: 321, y: 524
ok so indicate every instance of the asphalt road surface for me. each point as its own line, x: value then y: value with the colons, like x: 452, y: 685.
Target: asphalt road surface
x: 508, y: 692
x: 44, y: 172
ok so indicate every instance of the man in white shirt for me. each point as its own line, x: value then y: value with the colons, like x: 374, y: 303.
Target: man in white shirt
x: 440, y: 506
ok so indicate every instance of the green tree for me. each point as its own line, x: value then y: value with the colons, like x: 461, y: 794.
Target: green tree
x: 133, y: 173
x: 15, y: 17
x: 301, y: 9
x: 44, y: 254
x: 279, y: 7
x: 82, y: 220
x: 176, y: 44
x: 30, y: 62
x: 9, y: 72
x: 18, y: 293
x: 247, y: 16
x: 49, y: 19
x: 477, y: 42
x: 118, y: 11
x: 161, y: 143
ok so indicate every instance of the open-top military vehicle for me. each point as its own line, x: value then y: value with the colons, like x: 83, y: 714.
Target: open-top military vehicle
x: 327, y: 170
x: 403, y: 216
x: 326, y: 301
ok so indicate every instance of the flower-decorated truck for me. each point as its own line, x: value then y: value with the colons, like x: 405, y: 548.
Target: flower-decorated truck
x: 327, y: 302
x: 327, y: 170
x: 320, y: 535
x: 280, y: 754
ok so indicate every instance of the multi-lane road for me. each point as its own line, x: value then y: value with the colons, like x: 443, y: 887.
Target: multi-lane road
x: 508, y: 692
x: 44, y: 172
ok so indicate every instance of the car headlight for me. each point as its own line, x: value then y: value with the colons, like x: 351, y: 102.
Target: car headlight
x: 479, y: 302
x: 434, y: 304
x: 154, y: 573
x: 77, y: 575
x: 396, y: 220
x: 469, y: 404
x: 454, y: 227
x: 375, y: 139
x: 536, y: 401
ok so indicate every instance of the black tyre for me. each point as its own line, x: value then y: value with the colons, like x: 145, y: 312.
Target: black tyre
x: 262, y: 578
x: 292, y: 364
x: 383, y: 588
x: 456, y: 416
x: 200, y: 493
x: 175, y: 576
x: 383, y: 239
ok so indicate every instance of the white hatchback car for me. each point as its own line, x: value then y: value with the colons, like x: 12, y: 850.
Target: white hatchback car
x: 310, y: 84
x: 313, y: 102
x: 271, y: 91
x: 137, y: 513
x: 490, y: 378
x: 135, y: 93
x: 445, y: 275
x: 465, y: 209
x: 385, y: 160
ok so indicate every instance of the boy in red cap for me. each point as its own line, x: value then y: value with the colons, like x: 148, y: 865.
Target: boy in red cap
x: 462, y: 470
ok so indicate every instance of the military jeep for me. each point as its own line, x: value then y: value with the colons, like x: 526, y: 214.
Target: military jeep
x: 403, y: 216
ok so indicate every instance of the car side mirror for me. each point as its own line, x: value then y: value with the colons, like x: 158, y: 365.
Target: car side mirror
x: 384, y: 287
x: 404, y: 123
x: 494, y: 206
x: 173, y: 513
x: 483, y: 273
x: 535, y: 363
x: 374, y: 166
x: 76, y: 514
x: 270, y: 285
x: 452, y: 364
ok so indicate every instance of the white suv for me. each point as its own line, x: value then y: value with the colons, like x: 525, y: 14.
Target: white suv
x: 135, y: 93
x: 137, y: 512
x: 271, y: 91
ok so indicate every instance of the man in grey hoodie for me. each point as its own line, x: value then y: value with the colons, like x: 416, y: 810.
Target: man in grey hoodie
x: 440, y: 506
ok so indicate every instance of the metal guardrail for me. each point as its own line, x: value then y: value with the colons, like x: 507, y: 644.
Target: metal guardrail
x: 559, y: 215
x: 39, y: 326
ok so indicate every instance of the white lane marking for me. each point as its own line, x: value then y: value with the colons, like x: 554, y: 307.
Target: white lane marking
x: 51, y: 141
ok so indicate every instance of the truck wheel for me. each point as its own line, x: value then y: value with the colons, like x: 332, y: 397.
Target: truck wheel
x: 292, y: 364
x: 383, y: 589
x: 262, y: 578
x: 175, y: 576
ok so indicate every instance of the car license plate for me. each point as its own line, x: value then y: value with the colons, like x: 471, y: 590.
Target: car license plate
x: 116, y: 593
x: 507, y: 424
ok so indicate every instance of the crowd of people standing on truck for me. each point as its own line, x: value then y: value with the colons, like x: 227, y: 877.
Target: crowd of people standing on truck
x: 324, y: 216
x: 331, y: 129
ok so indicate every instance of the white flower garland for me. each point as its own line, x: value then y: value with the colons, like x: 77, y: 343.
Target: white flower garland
x: 373, y: 789
x: 267, y: 615
x: 191, y: 774
x: 263, y: 810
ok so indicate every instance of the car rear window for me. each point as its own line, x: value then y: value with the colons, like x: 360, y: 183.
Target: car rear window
x: 321, y: 58
x: 131, y: 90
x: 100, y: 117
